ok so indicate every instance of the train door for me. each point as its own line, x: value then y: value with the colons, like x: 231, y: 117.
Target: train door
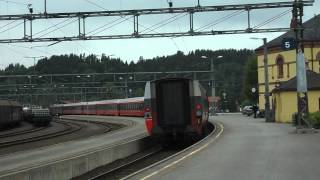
x: 173, y: 103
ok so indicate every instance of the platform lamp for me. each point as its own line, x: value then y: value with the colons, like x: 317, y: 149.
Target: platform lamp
x: 213, y: 90
x: 266, y: 79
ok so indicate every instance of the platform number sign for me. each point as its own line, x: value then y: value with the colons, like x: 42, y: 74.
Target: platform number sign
x: 288, y: 43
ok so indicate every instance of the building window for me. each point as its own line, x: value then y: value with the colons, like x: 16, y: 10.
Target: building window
x: 288, y: 70
x: 280, y: 63
x: 318, y: 59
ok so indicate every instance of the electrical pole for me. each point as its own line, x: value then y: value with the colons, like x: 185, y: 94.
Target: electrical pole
x: 34, y: 61
x: 213, y: 90
x: 45, y: 6
x: 266, y: 81
x: 302, y: 90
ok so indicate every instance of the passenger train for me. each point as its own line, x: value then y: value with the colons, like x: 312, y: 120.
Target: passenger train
x: 174, y: 109
x: 115, y: 107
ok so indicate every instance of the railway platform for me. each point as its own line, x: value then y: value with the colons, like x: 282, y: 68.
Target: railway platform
x: 70, y: 159
x: 246, y: 149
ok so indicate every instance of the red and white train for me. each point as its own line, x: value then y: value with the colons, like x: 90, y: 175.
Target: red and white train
x: 174, y: 109
x: 115, y: 107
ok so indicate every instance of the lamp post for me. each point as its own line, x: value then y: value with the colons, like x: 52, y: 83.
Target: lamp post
x: 34, y: 61
x: 266, y: 79
x: 224, y: 94
x: 30, y: 84
x: 126, y: 83
x: 253, y: 90
x: 105, y: 61
x: 213, y: 88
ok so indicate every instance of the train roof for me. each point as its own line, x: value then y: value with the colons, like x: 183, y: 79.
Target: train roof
x: 9, y: 103
x: 111, y: 101
x: 131, y: 100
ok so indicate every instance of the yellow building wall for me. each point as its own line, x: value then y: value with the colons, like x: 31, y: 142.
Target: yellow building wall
x: 288, y: 73
x: 286, y: 104
x: 314, y: 101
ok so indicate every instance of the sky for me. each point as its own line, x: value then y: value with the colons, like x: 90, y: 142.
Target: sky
x: 132, y: 49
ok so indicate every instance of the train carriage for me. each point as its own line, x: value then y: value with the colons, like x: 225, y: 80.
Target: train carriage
x: 176, y: 109
x: 10, y: 113
x: 89, y: 108
x: 108, y: 107
x: 131, y: 107
x: 115, y: 107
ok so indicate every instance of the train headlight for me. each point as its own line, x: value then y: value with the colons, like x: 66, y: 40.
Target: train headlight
x: 199, y: 111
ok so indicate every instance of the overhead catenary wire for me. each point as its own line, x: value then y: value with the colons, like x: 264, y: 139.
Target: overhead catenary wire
x: 10, y: 28
x: 30, y: 48
x: 167, y: 22
x: 272, y: 19
x: 57, y: 28
x: 160, y: 23
x: 111, y: 25
x: 54, y: 25
x: 95, y: 4
x: 7, y: 24
x: 220, y: 20
x: 14, y: 2
x: 13, y: 50
x: 105, y: 26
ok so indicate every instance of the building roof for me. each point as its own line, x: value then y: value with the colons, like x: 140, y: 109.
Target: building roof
x: 311, y: 33
x: 313, y: 83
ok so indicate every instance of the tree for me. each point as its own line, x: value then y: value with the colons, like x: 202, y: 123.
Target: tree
x: 250, y: 80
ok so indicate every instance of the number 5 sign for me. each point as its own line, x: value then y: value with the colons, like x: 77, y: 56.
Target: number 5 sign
x: 288, y: 43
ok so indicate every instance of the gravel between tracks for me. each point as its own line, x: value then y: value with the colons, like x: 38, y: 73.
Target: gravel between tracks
x: 88, y: 129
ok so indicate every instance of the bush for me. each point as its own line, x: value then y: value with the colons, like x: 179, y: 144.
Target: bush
x: 314, y: 118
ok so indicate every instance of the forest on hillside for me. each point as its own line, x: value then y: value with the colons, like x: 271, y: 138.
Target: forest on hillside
x: 235, y: 72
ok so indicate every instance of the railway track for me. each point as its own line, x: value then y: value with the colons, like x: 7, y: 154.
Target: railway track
x: 27, y: 131
x: 107, y: 126
x: 127, y: 168
x: 69, y: 128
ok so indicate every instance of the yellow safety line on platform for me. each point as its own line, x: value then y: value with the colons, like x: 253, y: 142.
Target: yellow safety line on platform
x: 186, y: 156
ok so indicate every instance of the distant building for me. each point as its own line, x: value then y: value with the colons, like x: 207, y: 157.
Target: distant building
x: 284, y: 97
x: 282, y: 64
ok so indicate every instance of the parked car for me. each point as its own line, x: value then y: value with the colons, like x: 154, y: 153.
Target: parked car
x: 247, y: 110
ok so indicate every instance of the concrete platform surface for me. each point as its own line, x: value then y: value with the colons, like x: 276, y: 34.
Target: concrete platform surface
x: 249, y: 149
x: 33, y: 158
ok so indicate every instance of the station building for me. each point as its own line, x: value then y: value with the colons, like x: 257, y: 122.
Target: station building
x: 282, y: 72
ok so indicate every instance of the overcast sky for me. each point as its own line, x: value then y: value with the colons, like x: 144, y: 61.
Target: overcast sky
x: 134, y: 48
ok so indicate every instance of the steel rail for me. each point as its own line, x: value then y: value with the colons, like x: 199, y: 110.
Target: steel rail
x: 27, y: 131
x: 68, y: 130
